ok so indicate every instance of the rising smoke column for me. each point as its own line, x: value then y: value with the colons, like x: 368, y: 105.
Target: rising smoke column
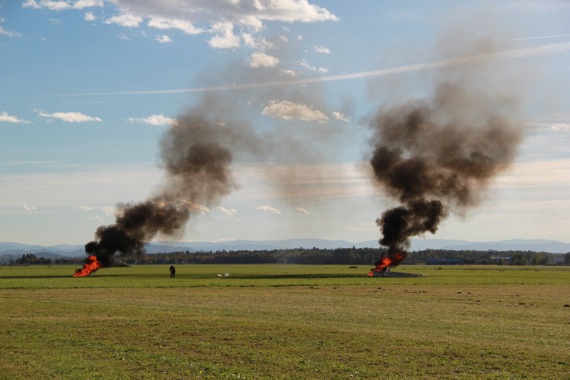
x: 196, y: 154
x: 437, y: 155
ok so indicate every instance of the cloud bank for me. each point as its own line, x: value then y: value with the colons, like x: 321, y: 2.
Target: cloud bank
x: 229, y: 23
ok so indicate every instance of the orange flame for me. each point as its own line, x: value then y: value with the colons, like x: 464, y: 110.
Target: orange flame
x: 90, y: 266
x: 386, y: 262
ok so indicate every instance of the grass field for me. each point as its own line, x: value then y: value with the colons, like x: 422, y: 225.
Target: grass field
x: 285, y: 322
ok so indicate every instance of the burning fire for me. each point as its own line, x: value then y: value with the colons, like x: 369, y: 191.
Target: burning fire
x: 90, y: 266
x: 385, y: 263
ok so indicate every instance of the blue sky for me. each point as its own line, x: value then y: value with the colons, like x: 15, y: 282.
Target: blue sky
x: 88, y: 87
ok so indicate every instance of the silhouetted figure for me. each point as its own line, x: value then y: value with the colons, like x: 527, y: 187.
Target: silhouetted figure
x: 172, y: 271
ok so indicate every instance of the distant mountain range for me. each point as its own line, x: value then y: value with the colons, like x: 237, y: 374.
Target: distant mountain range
x: 15, y: 250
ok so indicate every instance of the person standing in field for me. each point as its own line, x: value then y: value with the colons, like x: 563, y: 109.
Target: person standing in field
x: 172, y: 271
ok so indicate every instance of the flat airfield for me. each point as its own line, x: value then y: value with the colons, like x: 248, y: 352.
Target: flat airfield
x: 285, y: 322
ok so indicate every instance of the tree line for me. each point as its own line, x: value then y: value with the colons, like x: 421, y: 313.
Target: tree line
x: 343, y: 256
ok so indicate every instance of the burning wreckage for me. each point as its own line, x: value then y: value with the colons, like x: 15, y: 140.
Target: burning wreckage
x: 432, y: 156
x: 431, y: 163
x: 90, y: 266
x: 382, y: 266
x: 197, y: 162
x: 438, y: 156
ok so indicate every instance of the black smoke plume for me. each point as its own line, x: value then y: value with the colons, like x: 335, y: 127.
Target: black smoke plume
x: 196, y: 154
x: 438, y: 155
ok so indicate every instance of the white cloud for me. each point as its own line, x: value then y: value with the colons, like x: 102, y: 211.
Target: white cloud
x: 70, y: 117
x: 201, y: 209
x: 560, y: 127
x: 157, y: 120
x: 548, y: 129
x: 80, y: 4
x: 219, y: 18
x: 551, y: 126
x: 249, y: 40
x: 7, y: 33
x: 184, y: 26
x: 48, y: 4
x: 163, y: 39
x: 230, y: 213
x: 301, y: 210
x: 126, y: 20
x: 28, y: 207
x: 263, y: 60
x: 194, y: 207
x: 249, y: 14
x: 90, y: 16
x: 107, y: 210
x: 4, y: 117
x: 252, y: 22
x: 61, y: 5
x: 322, y: 49
x: 292, y: 11
x: 284, y: 109
x: 290, y: 73
x: 306, y: 65
x: 224, y: 37
x: 269, y: 209
x: 340, y: 116
x: 30, y: 4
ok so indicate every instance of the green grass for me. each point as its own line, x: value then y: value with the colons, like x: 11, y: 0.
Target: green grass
x: 149, y: 276
x: 285, y: 322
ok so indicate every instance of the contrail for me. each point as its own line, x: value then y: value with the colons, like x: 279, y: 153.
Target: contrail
x: 541, y: 37
x: 507, y: 54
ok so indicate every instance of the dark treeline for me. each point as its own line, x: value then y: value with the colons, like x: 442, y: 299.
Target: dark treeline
x: 348, y: 256
x: 353, y: 256
x: 344, y: 256
x: 30, y: 258
x: 487, y: 257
